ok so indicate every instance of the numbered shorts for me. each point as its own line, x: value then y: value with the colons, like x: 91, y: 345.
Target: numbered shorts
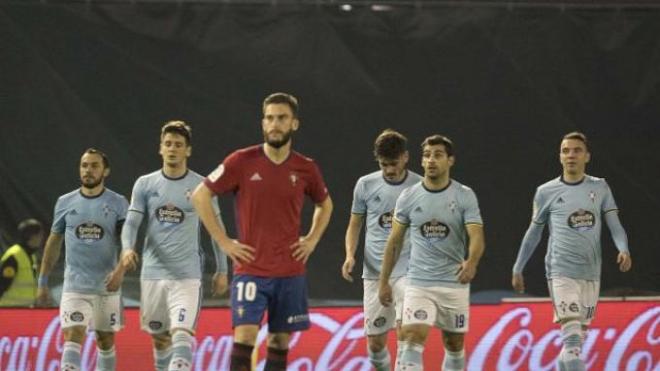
x: 284, y: 298
x: 169, y: 304
x: 377, y: 318
x: 445, y: 307
x: 573, y: 298
x: 96, y: 312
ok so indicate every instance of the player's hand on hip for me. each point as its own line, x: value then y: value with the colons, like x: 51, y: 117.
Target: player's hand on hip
x: 114, y: 279
x: 43, y: 297
x: 625, y: 261
x: 347, y: 269
x: 303, y: 249
x: 466, y: 272
x: 518, y: 283
x: 385, y: 294
x: 238, y: 252
x: 129, y: 260
x: 220, y: 284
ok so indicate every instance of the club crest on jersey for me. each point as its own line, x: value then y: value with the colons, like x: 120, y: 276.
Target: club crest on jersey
x: 582, y: 220
x: 188, y: 194
x: 106, y: 210
x: 592, y: 196
x: 452, y: 206
x: 385, y: 220
x: 293, y: 178
x: 170, y: 214
x: 89, y: 232
x: 434, y: 230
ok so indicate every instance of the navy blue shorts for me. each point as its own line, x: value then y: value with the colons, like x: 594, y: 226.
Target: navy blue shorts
x: 284, y: 298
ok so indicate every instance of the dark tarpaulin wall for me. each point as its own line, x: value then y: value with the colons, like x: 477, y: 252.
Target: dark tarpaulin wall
x: 504, y: 83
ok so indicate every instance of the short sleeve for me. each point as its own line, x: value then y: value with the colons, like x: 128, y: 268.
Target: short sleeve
x: 359, y: 205
x: 225, y: 178
x: 471, y: 212
x: 402, y: 208
x: 608, y: 199
x: 138, y: 197
x: 539, y: 208
x: 316, y: 188
x: 59, y: 218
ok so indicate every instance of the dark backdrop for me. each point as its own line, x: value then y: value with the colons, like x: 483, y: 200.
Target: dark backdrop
x: 504, y: 83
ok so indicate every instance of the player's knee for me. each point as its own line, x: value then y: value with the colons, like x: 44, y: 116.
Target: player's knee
x: 377, y: 343
x: 162, y: 341
x: 414, y: 334
x: 75, y: 334
x: 105, y: 340
x: 278, y: 340
x: 246, y: 334
x: 453, y: 341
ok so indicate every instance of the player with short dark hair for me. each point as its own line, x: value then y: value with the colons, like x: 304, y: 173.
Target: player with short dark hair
x: 374, y: 198
x: 270, y: 182
x: 445, y: 225
x: 574, y: 206
x: 89, y: 221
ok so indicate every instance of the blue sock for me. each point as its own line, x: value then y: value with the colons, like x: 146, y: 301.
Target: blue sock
x: 181, y: 351
x: 71, y: 356
x: 380, y: 360
x: 105, y: 359
x: 162, y: 358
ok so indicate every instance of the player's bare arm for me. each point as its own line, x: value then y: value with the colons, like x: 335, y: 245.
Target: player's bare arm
x: 51, y: 254
x: 390, y: 257
x: 237, y: 252
x: 351, y: 242
x: 306, y: 245
x: 468, y: 268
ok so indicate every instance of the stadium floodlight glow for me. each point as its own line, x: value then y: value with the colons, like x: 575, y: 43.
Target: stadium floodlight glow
x: 381, y: 8
x: 346, y: 7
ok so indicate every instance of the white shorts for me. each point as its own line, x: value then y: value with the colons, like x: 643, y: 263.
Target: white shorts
x: 169, y: 304
x: 377, y: 318
x: 96, y: 312
x: 447, y: 308
x: 573, y: 298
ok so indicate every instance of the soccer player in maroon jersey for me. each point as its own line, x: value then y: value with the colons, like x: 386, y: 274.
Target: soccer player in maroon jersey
x: 269, y: 182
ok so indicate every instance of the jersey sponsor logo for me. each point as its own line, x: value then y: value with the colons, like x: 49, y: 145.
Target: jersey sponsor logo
x: 170, y: 214
x: 89, y: 232
x: 385, y: 220
x: 434, y: 230
x: 217, y: 173
x: 582, y: 220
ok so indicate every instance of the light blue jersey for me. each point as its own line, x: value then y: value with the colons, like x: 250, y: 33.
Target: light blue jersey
x: 375, y: 198
x: 91, y: 227
x: 574, y: 214
x: 172, y: 248
x: 438, y: 236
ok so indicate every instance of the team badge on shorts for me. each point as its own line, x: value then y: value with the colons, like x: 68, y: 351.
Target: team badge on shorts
x: 77, y: 317
x: 155, y: 325
x: 573, y: 307
x: 380, y: 321
x: 421, y: 314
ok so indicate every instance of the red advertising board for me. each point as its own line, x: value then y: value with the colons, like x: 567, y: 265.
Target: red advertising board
x: 510, y: 336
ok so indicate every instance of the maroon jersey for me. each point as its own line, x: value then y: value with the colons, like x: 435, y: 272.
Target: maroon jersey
x: 268, y: 199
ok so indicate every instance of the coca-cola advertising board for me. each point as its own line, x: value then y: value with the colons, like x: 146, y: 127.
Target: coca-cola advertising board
x: 508, y: 336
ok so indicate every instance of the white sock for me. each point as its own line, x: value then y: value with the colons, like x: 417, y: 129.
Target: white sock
x: 411, y: 357
x: 181, y: 351
x: 162, y: 358
x: 569, y: 356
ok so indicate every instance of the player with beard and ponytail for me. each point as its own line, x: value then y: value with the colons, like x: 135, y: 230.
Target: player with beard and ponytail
x: 270, y: 182
x: 89, y: 220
